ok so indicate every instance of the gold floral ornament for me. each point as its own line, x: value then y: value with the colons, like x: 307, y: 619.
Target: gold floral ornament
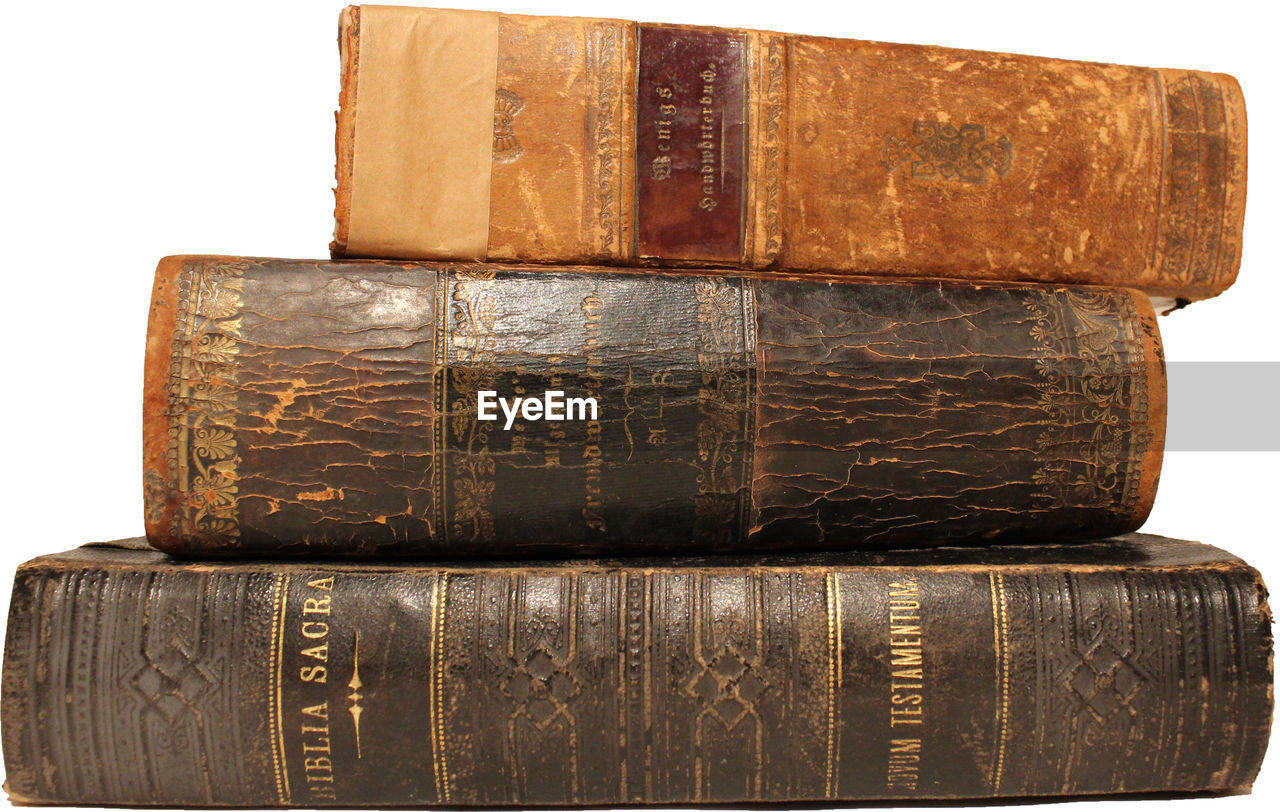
x: 202, y: 401
x: 212, y: 491
x: 1091, y: 398
x: 215, y: 349
x: 214, y: 444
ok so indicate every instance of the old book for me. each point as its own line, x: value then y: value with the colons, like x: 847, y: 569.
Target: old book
x: 1135, y: 665
x: 327, y: 407
x: 473, y: 135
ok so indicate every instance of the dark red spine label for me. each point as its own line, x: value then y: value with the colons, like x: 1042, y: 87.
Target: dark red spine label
x: 690, y: 144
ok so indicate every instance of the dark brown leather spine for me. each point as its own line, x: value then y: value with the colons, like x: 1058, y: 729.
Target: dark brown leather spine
x: 1136, y: 665
x: 314, y: 407
x: 624, y: 143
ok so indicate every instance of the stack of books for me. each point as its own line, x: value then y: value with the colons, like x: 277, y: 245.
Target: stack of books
x: 687, y: 416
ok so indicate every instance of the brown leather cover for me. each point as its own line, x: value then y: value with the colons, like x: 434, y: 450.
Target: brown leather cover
x: 296, y: 407
x: 621, y: 143
x: 1135, y: 665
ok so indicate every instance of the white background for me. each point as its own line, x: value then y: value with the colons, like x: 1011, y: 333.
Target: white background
x: 135, y: 130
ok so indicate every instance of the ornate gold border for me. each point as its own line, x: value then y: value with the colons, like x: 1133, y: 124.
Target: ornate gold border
x: 203, y: 451
x: 1093, y: 390
x: 470, y: 354
x: 605, y: 41
x: 770, y: 172
x: 726, y: 400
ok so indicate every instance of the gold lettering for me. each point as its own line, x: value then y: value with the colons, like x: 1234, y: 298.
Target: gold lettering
x: 321, y: 746
x: 316, y: 606
x: 315, y: 742
x: 903, y: 772
x: 911, y: 656
x: 313, y: 673
x: 904, y: 760
x: 320, y: 711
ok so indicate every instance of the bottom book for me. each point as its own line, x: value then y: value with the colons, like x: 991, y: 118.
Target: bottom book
x: 1139, y: 664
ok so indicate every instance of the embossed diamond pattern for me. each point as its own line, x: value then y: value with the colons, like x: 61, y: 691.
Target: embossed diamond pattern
x: 541, y: 687
x: 1103, y: 681
x: 172, y: 682
x: 728, y: 687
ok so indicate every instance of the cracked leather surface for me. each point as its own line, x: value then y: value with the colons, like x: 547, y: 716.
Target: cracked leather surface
x: 312, y: 407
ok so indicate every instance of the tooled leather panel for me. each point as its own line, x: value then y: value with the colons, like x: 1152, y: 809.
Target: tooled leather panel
x: 549, y: 146
x: 1202, y: 184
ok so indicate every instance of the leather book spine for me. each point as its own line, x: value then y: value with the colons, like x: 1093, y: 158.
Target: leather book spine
x: 591, y: 141
x: 131, y: 679
x: 298, y: 407
x: 335, y: 408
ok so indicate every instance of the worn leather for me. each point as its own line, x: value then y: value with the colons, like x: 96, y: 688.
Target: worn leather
x: 331, y: 408
x: 1133, y: 665
x: 846, y: 156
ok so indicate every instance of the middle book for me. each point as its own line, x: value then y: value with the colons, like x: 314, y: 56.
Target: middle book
x: 422, y: 409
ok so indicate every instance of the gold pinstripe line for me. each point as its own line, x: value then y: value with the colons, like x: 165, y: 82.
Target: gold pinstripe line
x: 435, y: 688
x: 444, y: 758
x: 1000, y: 618
x: 279, y: 762
x: 431, y: 691
x: 835, y: 675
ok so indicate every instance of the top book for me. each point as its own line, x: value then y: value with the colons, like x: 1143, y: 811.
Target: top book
x: 481, y: 136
